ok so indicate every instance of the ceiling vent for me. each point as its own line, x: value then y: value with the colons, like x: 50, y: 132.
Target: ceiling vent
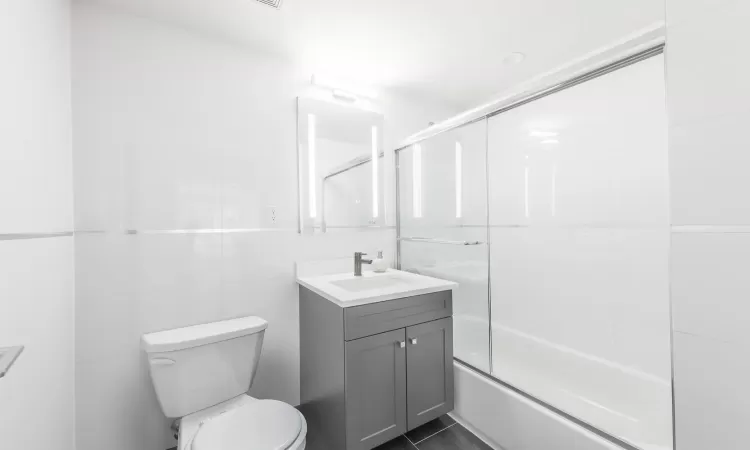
x: 272, y: 3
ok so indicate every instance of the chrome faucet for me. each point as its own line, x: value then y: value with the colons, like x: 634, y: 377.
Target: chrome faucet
x: 358, y: 261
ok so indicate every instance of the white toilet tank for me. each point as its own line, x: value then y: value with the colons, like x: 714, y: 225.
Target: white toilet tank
x: 196, y: 367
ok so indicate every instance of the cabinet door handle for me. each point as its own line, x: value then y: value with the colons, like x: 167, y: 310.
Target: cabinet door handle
x: 401, y: 344
x: 413, y: 341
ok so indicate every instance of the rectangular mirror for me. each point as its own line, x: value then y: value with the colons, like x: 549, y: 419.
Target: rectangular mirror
x: 341, y: 166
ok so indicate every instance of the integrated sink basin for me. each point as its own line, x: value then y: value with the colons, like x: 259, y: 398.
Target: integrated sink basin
x: 359, y: 284
x: 346, y: 290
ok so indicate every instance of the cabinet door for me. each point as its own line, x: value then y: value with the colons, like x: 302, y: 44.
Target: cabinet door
x: 375, y: 389
x: 429, y: 362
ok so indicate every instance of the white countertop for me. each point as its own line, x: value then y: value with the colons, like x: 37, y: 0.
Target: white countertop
x: 395, y: 284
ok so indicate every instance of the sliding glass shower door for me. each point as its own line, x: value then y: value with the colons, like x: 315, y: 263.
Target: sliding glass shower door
x: 560, y: 205
x: 579, y: 220
x: 443, y: 227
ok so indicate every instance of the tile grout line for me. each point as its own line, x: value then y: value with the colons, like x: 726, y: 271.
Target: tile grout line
x: 433, y: 434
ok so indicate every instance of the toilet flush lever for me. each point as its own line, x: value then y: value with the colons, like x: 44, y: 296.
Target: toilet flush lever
x: 162, y: 361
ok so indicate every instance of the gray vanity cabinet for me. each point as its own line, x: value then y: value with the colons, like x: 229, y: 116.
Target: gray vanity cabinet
x: 429, y: 359
x: 371, y: 373
x: 375, y: 389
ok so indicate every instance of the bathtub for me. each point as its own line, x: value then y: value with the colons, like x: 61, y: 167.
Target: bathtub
x: 506, y: 420
x: 631, y: 406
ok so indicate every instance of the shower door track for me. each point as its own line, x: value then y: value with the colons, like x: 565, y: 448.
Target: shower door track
x: 642, y: 55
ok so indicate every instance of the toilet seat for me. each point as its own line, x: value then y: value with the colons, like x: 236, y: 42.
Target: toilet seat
x: 259, y: 425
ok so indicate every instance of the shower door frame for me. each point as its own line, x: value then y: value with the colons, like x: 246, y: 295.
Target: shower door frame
x: 633, y: 58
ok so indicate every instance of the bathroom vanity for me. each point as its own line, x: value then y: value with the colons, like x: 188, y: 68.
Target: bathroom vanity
x: 376, y: 355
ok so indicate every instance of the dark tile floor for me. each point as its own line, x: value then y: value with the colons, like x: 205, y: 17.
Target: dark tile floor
x: 442, y: 433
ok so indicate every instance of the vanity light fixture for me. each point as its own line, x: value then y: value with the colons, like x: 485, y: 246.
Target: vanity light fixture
x: 417, y: 181
x: 345, y: 96
x: 459, y: 179
x: 311, y: 176
x: 342, y: 89
x: 375, y: 153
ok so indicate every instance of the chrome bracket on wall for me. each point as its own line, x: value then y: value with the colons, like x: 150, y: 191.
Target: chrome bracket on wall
x: 8, y: 356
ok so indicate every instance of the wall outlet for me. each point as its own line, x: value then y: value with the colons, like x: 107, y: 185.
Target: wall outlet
x: 270, y: 216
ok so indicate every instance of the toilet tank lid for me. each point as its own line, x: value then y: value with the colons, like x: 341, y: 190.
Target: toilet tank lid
x: 208, y: 333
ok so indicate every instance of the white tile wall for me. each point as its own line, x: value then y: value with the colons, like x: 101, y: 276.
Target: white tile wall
x: 700, y: 89
x: 111, y: 382
x: 710, y: 286
x: 35, y: 155
x: 712, y: 402
x: 680, y: 10
x: 36, y: 288
x: 37, y: 397
x: 708, y: 166
x: 177, y: 131
x: 707, y: 82
x: 707, y: 110
x: 105, y: 311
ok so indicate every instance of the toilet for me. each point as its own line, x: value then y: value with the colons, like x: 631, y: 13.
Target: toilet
x: 201, y: 375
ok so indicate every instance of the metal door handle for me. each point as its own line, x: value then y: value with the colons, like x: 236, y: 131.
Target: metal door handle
x: 413, y: 341
x: 401, y: 344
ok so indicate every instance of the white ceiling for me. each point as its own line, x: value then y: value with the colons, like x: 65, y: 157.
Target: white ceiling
x: 450, y: 50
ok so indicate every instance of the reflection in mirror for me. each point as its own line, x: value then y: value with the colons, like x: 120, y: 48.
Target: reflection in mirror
x: 341, y: 166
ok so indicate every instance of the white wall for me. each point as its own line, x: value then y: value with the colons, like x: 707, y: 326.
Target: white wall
x: 178, y: 131
x: 707, y: 71
x: 37, y: 398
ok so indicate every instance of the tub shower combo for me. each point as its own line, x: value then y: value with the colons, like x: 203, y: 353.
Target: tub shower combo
x: 551, y: 211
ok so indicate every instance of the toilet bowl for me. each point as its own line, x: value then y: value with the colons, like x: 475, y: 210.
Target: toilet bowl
x: 201, y: 376
x: 242, y: 424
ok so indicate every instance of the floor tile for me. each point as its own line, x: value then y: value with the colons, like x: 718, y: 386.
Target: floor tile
x: 314, y: 441
x: 454, y: 438
x: 423, y: 432
x: 400, y: 443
